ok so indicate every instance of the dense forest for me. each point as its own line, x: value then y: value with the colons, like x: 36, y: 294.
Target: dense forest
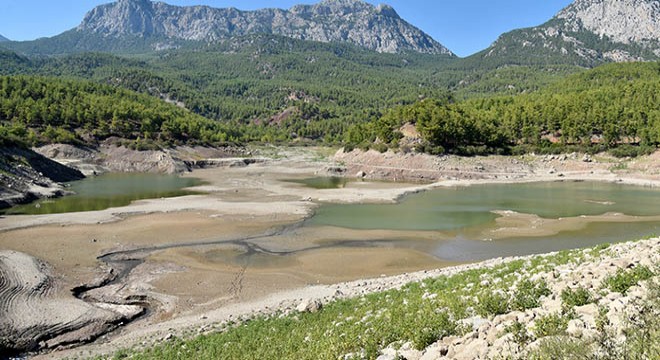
x: 273, y: 89
x: 603, y: 108
x: 37, y: 110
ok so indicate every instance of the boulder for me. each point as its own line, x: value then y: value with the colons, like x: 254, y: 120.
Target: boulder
x: 309, y: 305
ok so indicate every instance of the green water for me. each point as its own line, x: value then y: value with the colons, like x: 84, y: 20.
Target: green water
x: 464, y: 207
x: 322, y: 182
x: 109, y: 190
x: 459, y: 213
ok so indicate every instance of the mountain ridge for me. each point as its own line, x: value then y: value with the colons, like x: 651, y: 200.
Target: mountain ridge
x: 3, y: 39
x: 377, y: 28
x: 586, y: 33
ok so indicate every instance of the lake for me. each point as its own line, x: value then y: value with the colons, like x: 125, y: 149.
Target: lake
x: 109, y: 190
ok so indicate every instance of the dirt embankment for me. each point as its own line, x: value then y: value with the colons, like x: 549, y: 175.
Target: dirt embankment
x: 26, y: 176
x: 109, y: 157
x: 450, y: 169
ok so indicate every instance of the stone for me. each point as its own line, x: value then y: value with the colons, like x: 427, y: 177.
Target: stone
x: 477, y: 349
x: 309, y: 305
x: 435, y: 351
x: 575, y: 328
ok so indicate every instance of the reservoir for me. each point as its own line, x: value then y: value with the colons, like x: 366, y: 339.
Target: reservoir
x: 109, y: 190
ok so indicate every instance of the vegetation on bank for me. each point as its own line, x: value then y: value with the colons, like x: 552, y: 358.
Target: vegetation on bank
x: 599, y: 109
x: 610, y: 107
x: 424, y: 312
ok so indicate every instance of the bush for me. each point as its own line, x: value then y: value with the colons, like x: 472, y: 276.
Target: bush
x: 519, y: 332
x: 492, y: 303
x: 550, y: 325
x: 528, y: 293
x: 575, y: 297
x: 625, y: 279
x: 623, y: 151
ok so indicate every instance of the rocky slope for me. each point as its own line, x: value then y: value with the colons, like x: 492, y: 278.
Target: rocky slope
x: 3, y: 39
x: 26, y: 176
x: 587, y: 32
x: 374, y: 27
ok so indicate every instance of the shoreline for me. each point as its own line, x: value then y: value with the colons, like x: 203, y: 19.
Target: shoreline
x: 239, y: 202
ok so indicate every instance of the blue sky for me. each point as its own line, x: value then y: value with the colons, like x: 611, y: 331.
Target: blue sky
x: 464, y: 26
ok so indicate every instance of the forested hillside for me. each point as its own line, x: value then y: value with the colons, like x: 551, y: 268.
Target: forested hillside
x: 602, y: 108
x: 276, y: 89
x: 38, y: 110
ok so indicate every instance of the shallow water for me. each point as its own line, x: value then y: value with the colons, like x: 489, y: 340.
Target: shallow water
x: 322, y: 182
x: 463, y: 207
x: 109, y: 190
x: 460, y: 217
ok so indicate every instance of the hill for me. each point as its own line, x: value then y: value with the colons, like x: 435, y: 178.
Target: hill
x: 599, y: 109
x: 38, y: 110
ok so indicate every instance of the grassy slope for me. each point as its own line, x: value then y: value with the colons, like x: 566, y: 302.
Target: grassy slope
x: 420, y: 313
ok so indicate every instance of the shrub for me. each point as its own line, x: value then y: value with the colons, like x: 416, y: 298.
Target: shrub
x: 550, y: 325
x: 627, y: 150
x: 528, y: 293
x: 561, y: 348
x: 492, y: 303
x: 575, y: 297
x: 625, y: 279
x: 519, y: 332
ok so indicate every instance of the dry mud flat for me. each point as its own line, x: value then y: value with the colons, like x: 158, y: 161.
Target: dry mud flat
x: 36, y: 314
x: 187, y: 254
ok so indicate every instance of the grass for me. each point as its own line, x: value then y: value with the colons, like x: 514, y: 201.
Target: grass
x: 420, y: 313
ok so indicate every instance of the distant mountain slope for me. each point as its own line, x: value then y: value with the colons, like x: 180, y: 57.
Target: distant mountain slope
x: 3, y: 39
x: 586, y: 33
x: 146, y: 25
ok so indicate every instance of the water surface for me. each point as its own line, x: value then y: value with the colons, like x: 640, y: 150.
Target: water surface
x: 463, y: 207
x: 322, y: 182
x: 109, y: 190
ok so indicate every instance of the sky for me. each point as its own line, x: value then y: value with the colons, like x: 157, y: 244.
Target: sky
x: 464, y: 26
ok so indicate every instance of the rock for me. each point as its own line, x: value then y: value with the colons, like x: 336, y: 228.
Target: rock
x: 388, y: 357
x: 310, y: 306
x: 361, y: 174
x: 575, y: 328
x: 435, y: 351
x: 474, y: 322
x: 476, y: 349
x: 408, y: 352
x: 587, y: 158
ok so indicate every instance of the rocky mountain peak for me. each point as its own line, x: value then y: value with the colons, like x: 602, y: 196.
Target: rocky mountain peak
x: 376, y: 28
x: 586, y: 33
x: 624, y: 21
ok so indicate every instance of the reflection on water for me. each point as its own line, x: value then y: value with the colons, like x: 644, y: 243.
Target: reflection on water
x: 110, y: 190
x: 322, y: 182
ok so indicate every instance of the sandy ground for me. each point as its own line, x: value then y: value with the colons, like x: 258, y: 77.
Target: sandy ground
x: 192, y: 286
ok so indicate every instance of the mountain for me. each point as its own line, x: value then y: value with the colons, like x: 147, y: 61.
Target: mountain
x: 585, y: 33
x: 3, y: 39
x: 136, y: 25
